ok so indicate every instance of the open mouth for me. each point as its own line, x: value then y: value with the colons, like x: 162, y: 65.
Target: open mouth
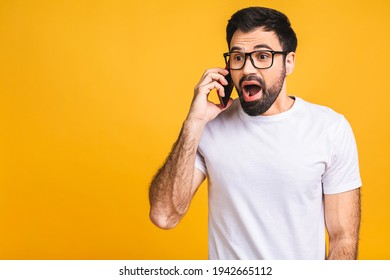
x: 251, y: 90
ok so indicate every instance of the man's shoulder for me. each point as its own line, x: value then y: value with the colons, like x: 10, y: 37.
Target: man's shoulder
x: 224, y: 123
x: 317, y: 108
x: 231, y: 114
x: 320, y: 112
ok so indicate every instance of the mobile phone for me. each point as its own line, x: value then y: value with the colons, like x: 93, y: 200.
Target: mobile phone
x: 228, y: 90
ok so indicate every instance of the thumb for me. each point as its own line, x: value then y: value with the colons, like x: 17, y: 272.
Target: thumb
x: 230, y: 102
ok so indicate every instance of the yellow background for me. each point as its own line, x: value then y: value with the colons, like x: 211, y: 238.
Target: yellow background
x: 93, y: 95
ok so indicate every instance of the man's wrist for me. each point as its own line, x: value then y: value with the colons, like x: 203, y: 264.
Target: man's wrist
x: 193, y: 125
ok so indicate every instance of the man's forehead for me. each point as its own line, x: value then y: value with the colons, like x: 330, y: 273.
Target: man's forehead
x: 256, y: 38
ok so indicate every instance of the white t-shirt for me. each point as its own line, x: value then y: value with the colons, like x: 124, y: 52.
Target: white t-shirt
x: 267, y: 176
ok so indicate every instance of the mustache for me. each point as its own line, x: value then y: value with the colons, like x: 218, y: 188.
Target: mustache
x: 251, y: 78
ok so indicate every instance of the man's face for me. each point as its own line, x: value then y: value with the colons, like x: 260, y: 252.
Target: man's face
x: 258, y: 89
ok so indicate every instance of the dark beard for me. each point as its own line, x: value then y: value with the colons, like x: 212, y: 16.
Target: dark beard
x: 260, y: 106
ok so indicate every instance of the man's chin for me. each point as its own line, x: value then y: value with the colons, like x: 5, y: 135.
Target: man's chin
x: 254, y: 108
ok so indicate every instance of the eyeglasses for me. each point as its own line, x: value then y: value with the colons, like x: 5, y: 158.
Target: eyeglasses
x: 261, y: 59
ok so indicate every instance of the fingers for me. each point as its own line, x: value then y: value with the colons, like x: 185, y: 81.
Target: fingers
x: 212, y: 79
x: 214, y: 74
x: 201, y: 108
x: 206, y: 88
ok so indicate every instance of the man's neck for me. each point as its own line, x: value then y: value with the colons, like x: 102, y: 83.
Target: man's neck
x: 282, y: 104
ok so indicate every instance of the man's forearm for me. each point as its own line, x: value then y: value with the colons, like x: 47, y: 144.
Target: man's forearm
x: 343, y: 249
x: 342, y: 215
x: 171, y: 189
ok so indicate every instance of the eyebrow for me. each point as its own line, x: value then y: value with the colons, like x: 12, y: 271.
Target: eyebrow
x: 260, y: 46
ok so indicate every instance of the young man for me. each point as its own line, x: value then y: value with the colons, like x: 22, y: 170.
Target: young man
x: 279, y: 168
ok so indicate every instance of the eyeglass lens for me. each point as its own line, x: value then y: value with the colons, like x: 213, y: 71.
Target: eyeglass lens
x: 261, y: 59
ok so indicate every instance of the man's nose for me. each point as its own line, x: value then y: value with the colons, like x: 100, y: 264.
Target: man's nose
x: 249, y: 68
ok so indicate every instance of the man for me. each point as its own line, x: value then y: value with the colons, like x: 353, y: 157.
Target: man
x: 279, y: 168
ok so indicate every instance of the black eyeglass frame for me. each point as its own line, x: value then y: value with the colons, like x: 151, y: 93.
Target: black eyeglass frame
x: 226, y: 55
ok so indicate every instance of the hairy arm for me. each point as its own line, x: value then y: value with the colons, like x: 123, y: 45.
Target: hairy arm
x: 175, y: 184
x: 342, y: 217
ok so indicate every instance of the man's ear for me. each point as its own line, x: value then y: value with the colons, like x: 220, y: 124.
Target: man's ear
x: 290, y: 63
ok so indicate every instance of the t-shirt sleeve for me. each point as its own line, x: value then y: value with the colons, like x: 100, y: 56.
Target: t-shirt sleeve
x: 200, y: 163
x: 342, y: 173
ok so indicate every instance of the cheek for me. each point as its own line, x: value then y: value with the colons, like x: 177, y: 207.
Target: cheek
x: 272, y: 76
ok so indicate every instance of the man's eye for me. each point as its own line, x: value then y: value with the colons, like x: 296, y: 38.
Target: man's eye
x: 263, y: 56
x: 238, y: 57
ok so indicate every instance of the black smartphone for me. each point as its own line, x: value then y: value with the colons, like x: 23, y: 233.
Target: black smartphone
x: 228, y: 91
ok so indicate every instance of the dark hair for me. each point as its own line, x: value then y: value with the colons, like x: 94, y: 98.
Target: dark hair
x: 248, y: 19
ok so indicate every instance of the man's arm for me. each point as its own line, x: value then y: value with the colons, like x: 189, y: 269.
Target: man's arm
x: 175, y: 184
x: 342, y: 217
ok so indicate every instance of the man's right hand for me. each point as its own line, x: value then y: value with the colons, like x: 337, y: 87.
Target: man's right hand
x: 201, y: 108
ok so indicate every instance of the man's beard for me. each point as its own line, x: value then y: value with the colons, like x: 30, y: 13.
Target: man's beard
x: 268, y: 96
